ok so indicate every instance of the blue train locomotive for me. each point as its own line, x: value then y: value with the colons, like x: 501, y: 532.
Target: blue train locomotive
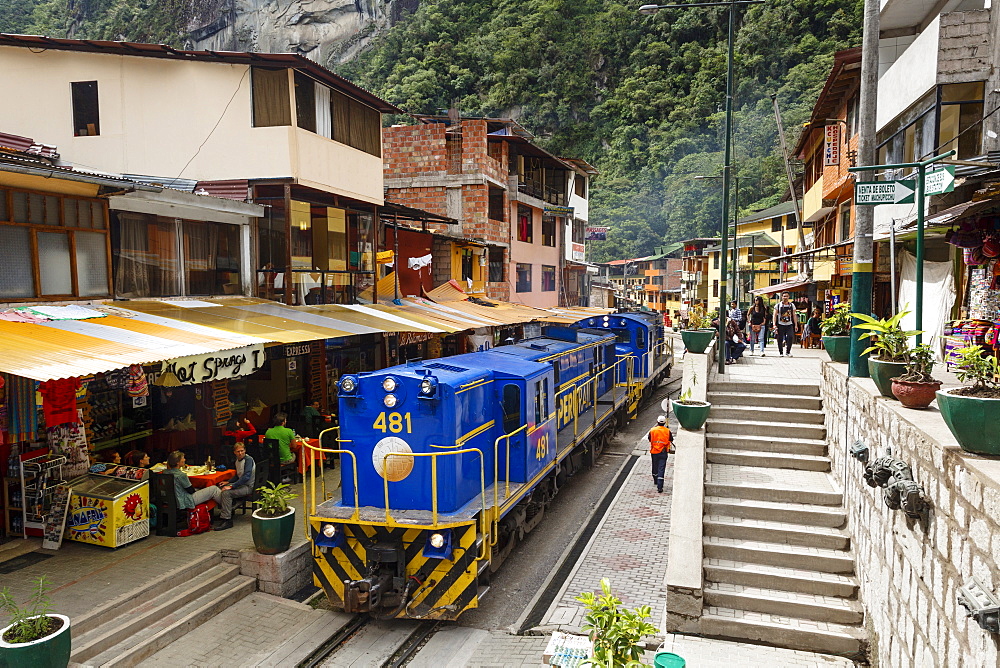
x: 447, y: 463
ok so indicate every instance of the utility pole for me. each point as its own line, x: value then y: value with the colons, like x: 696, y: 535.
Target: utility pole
x: 864, y: 216
x: 788, y: 173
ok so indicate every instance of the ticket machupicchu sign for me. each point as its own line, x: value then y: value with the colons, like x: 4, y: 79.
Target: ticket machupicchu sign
x: 885, y: 192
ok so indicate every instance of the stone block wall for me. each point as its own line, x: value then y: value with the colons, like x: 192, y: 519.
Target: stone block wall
x: 965, y: 52
x: 432, y: 198
x: 279, y: 574
x: 909, y: 571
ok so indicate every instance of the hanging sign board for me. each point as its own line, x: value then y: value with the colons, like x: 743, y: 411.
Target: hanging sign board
x: 831, y: 150
x: 885, y: 192
x: 221, y: 365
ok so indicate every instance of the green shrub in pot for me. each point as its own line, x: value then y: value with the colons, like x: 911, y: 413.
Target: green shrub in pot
x: 273, y: 523
x: 890, y: 344
x: 836, y: 329
x: 36, y: 637
x: 971, y: 412
x: 916, y: 388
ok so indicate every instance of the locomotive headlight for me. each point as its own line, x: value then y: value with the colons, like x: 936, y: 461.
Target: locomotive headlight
x: 389, y: 400
x: 329, y: 536
x: 427, y: 386
x: 348, y: 384
x: 389, y: 385
x: 329, y: 530
x: 438, y: 545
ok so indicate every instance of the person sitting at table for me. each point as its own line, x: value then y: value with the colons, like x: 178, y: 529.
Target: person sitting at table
x: 239, y: 486
x: 137, y: 458
x: 187, y: 496
x: 239, y: 429
x: 312, y: 411
x: 284, y: 436
x: 112, y: 457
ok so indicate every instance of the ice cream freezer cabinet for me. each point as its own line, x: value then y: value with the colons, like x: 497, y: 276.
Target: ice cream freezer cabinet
x: 107, y: 509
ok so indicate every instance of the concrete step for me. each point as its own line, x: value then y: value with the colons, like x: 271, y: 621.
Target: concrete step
x: 777, y: 577
x: 776, y: 532
x: 764, y: 428
x: 778, y: 493
x: 757, y: 411
x: 741, y: 398
x: 823, y: 560
x: 792, y: 513
x: 804, y: 446
x: 780, y: 388
x: 162, y: 631
x: 775, y: 460
x: 104, y: 612
x: 787, y: 632
x: 784, y: 603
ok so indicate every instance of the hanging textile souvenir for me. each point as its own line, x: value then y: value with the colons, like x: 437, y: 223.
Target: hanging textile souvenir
x: 59, y: 400
x: 22, y: 417
x: 137, y: 386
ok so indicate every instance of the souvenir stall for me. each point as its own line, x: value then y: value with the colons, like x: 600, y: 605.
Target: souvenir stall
x: 978, y: 242
x: 108, y: 506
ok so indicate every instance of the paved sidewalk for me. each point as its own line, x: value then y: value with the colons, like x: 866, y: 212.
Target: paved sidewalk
x: 82, y: 574
x: 629, y: 548
x: 260, y: 630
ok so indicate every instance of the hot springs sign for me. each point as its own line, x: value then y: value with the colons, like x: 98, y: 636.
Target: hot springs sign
x: 217, y: 366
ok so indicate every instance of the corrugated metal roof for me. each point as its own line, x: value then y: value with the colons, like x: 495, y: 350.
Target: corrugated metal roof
x: 69, y: 348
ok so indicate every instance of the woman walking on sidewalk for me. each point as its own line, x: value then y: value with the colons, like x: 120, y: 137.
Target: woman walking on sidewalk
x: 786, y: 321
x: 757, y: 319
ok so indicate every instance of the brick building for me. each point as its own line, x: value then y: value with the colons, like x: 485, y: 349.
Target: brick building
x: 511, y: 196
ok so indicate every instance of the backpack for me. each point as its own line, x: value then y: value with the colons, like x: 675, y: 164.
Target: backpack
x: 199, y: 521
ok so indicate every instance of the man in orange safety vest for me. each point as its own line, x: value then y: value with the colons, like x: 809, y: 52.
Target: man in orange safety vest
x: 660, y: 439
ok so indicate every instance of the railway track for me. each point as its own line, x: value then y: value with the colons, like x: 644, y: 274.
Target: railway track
x: 364, y: 641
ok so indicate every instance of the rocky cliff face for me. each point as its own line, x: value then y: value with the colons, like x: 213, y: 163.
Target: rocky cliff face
x: 326, y: 31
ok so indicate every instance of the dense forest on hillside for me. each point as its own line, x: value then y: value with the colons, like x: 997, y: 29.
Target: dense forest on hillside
x: 640, y: 97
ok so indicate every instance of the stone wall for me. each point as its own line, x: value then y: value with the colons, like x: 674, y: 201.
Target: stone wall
x: 965, y: 53
x: 909, y: 570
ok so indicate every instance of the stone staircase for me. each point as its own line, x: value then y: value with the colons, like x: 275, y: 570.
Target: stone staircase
x: 777, y: 562
x: 133, y: 627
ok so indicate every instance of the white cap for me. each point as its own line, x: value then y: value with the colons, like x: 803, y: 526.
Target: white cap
x: 662, y: 419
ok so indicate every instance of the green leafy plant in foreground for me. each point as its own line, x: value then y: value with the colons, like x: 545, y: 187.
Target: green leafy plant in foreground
x: 31, y: 621
x: 887, y: 336
x: 982, y: 370
x: 274, y: 500
x: 920, y: 365
x: 614, y: 630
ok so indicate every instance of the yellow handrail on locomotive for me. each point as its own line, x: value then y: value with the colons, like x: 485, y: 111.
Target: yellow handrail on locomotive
x: 312, y: 477
x: 434, y: 490
x: 496, y: 482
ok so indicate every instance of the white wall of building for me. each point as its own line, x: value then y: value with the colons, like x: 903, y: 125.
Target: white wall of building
x: 911, y: 76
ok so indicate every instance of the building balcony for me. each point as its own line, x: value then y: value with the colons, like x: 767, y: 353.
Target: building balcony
x: 814, y: 207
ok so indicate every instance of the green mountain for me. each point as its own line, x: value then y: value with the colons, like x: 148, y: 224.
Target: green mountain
x: 640, y: 97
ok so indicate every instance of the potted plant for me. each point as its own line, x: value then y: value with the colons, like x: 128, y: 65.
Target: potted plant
x: 837, y: 333
x: 273, y: 522
x: 691, y: 414
x: 971, y: 412
x: 916, y: 387
x: 699, y: 332
x: 35, y: 637
x: 615, y: 631
x: 890, y: 342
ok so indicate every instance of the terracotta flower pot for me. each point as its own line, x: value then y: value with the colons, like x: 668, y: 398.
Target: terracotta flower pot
x: 915, y: 394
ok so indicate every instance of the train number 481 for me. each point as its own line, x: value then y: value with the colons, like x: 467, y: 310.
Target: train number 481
x: 393, y: 422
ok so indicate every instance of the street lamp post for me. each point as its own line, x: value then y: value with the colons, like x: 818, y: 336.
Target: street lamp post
x: 727, y: 168
x: 735, y: 227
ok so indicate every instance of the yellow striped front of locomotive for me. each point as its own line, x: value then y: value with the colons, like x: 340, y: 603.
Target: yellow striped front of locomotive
x: 433, y: 584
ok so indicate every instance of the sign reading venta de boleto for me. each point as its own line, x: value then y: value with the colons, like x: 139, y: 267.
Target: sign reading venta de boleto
x: 217, y: 366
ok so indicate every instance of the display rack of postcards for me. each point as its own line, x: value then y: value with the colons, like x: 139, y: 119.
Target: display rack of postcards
x: 14, y: 512
x: 40, y: 475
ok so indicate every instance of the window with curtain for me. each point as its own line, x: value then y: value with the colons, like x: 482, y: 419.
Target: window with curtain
x: 548, y: 230
x: 270, y: 97
x: 548, y: 278
x: 305, y: 102
x: 523, y: 277
x: 157, y: 256
x: 496, y: 265
x: 52, y: 246
x: 525, y: 228
x: 356, y: 124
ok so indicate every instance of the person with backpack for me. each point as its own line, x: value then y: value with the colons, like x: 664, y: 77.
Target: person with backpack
x: 660, y: 440
x: 786, y: 321
x: 189, y: 498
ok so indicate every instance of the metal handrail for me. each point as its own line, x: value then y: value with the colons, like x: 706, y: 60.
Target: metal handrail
x: 312, y: 477
x: 434, y: 491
